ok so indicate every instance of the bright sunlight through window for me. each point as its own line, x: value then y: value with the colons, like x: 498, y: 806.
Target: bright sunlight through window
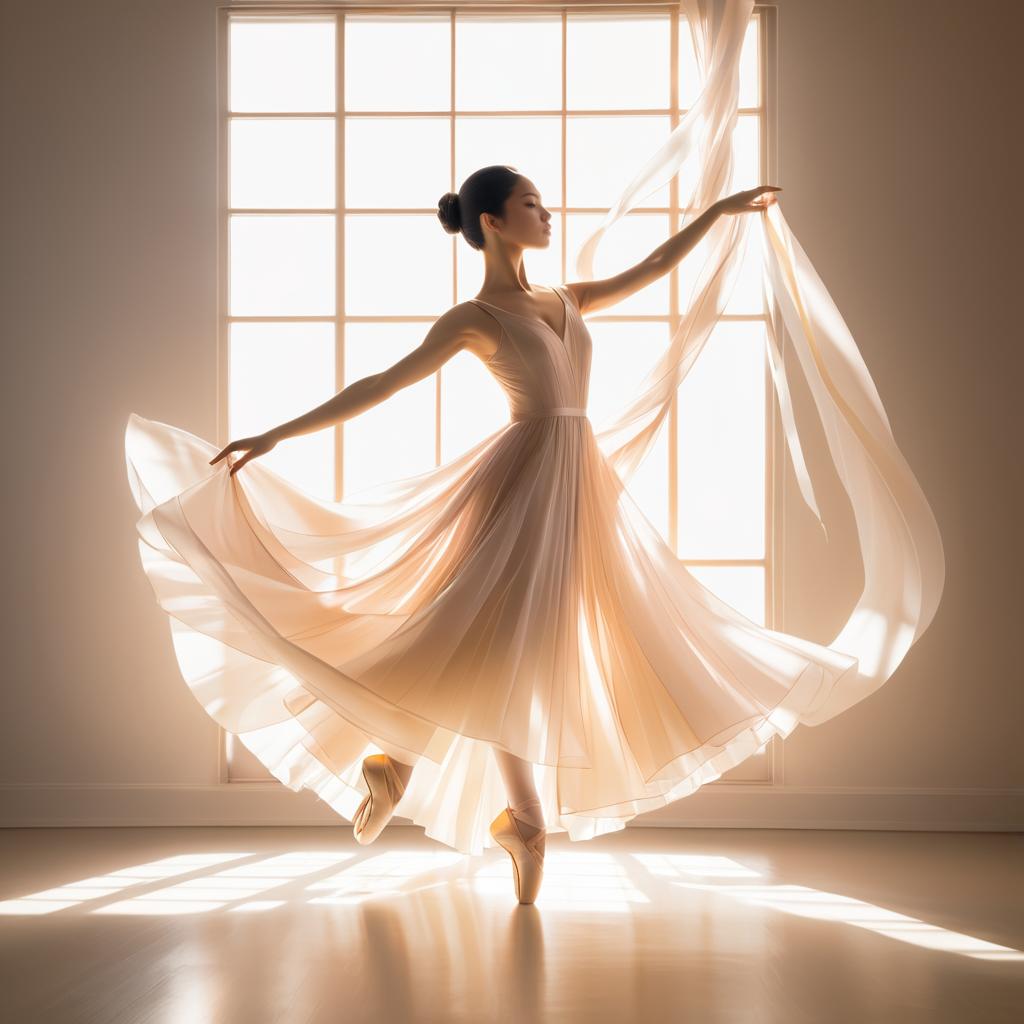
x: 584, y: 882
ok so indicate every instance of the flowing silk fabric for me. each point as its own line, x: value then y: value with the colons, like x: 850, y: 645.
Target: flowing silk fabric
x: 516, y: 596
x: 900, y: 546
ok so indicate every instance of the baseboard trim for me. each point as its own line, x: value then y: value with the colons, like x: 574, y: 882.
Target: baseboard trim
x: 715, y: 805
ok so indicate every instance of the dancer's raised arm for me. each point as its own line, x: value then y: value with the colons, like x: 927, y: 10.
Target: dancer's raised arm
x: 594, y: 295
x: 447, y: 336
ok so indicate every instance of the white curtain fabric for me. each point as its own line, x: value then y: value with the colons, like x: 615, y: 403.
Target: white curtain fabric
x: 900, y: 546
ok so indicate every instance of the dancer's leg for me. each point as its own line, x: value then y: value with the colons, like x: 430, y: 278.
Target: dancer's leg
x: 520, y: 788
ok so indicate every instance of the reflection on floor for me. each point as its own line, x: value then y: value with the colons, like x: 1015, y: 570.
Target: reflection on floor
x: 196, y: 925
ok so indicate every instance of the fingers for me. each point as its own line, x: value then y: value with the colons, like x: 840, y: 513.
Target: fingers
x: 234, y: 447
x: 224, y: 451
x: 238, y: 465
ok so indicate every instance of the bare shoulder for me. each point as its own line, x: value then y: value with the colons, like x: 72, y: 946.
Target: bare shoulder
x: 480, y: 332
x: 458, y: 327
x: 577, y: 291
x: 454, y: 330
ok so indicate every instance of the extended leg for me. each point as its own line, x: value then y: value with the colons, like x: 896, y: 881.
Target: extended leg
x: 520, y: 788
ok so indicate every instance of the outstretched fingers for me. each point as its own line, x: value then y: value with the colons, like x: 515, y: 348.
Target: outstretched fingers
x: 224, y: 451
x: 241, y: 462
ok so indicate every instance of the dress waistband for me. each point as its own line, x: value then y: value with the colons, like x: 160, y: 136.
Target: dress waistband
x: 562, y: 410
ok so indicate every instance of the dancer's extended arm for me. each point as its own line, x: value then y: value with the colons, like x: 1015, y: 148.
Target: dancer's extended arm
x: 447, y: 336
x: 594, y: 295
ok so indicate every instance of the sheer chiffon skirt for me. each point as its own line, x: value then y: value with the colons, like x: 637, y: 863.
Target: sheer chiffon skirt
x: 514, y: 597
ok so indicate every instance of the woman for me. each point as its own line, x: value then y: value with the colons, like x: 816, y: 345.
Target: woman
x: 528, y: 552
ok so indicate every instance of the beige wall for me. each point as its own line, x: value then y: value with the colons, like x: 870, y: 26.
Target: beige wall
x: 894, y: 153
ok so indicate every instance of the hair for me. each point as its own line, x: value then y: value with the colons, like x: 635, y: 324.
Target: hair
x: 484, y: 191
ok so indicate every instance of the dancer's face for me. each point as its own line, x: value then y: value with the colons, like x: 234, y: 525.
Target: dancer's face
x: 527, y: 223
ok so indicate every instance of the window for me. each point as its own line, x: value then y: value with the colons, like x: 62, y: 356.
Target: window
x: 341, y: 130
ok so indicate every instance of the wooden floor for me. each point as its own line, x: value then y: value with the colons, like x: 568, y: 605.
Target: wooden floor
x: 253, y: 925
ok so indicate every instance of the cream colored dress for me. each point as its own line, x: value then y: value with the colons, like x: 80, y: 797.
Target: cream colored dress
x: 524, y: 602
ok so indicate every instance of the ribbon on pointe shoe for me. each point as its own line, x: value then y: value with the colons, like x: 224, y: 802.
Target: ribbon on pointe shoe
x: 524, y: 816
x: 507, y: 833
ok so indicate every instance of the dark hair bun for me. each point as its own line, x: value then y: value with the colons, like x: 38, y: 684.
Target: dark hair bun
x: 448, y: 212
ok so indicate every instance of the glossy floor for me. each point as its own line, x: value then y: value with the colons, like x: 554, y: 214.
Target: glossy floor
x: 195, y: 925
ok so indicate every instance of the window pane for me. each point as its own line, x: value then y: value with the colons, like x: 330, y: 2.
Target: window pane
x: 746, y: 297
x: 623, y: 354
x: 508, y: 63
x: 746, y: 153
x: 747, y: 294
x: 533, y: 144
x: 396, y: 161
x: 739, y: 586
x: 397, y: 264
x: 690, y: 80
x: 649, y: 485
x: 746, y: 161
x: 617, y: 61
x: 395, y: 438
x: 282, y: 64
x: 722, y: 446
x: 282, y: 265
x: 397, y: 62
x: 628, y: 241
x: 472, y: 404
x: 601, y: 156
x: 687, y: 178
x: 279, y: 162
x: 750, y: 66
x: 278, y: 372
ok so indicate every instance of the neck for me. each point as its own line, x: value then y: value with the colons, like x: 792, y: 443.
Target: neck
x: 504, y: 270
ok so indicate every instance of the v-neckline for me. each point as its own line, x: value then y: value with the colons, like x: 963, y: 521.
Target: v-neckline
x: 544, y: 323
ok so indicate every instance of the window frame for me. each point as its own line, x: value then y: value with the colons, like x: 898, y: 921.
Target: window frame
x: 768, y: 770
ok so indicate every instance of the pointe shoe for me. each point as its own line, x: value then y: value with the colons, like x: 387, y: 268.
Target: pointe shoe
x: 379, y: 804
x: 527, y: 854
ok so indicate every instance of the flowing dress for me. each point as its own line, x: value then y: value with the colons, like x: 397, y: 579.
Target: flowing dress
x: 513, y: 597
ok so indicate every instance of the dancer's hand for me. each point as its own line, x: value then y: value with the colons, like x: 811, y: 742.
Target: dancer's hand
x: 743, y: 202
x: 258, y: 445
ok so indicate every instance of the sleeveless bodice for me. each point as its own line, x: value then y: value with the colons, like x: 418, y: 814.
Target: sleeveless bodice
x: 541, y: 373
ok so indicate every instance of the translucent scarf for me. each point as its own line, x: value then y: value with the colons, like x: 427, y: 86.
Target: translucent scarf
x: 900, y: 546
